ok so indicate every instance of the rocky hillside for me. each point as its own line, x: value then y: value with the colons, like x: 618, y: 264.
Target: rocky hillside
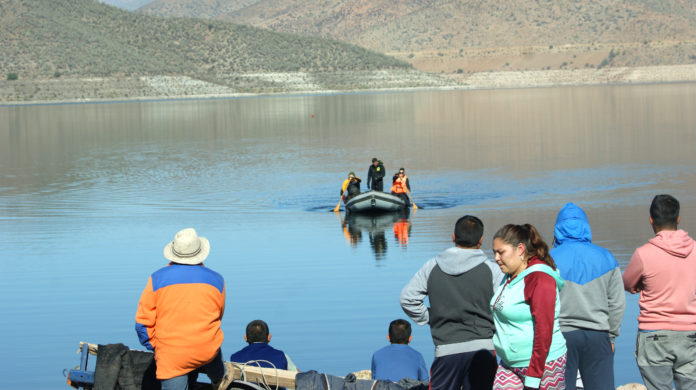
x: 78, y: 38
x: 476, y: 35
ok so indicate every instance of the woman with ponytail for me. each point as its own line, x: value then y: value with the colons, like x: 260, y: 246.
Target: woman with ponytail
x: 525, y: 308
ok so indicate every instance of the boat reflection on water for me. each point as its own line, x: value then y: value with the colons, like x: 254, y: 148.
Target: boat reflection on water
x: 375, y: 226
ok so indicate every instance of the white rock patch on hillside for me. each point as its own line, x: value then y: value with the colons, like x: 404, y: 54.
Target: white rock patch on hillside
x: 183, y: 86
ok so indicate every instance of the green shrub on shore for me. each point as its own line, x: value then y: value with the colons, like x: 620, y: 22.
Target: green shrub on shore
x: 12, y: 76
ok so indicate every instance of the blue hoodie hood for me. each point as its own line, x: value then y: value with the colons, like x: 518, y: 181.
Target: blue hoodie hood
x: 572, y: 225
x: 577, y: 258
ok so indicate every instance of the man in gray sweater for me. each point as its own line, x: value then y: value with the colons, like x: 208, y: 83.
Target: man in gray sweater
x: 459, y: 284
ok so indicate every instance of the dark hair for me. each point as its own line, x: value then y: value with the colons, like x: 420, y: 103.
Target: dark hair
x: 530, y: 237
x: 468, y: 231
x: 401, y: 169
x: 664, y: 211
x: 399, y: 331
x: 257, y: 331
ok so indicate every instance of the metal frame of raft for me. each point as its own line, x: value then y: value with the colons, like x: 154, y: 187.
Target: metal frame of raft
x: 83, y: 378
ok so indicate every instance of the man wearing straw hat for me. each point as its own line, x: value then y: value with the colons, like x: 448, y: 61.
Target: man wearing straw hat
x: 179, y: 314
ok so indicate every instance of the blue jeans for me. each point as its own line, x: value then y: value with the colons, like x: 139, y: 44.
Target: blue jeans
x: 215, y: 371
x: 590, y: 352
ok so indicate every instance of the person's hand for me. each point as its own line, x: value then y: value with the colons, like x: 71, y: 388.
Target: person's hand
x: 613, y: 349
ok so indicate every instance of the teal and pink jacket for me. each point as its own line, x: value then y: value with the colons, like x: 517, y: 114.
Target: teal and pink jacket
x: 525, y: 311
x: 179, y: 315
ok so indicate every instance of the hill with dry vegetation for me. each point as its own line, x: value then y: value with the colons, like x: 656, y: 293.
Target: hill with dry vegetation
x: 478, y: 35
x: 54, y: 38
x: 85, y: 50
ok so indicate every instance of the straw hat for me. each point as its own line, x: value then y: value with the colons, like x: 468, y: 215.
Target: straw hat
x: 187, y: 248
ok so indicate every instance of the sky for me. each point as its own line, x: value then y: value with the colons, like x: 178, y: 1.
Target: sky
x: 127, y: 4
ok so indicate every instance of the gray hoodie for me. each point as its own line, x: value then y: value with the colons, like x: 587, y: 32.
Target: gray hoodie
x: 459, y: 284
x: 593, y: 297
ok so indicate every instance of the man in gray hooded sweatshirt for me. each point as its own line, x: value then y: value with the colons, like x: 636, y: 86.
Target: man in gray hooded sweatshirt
x: 459, y: 284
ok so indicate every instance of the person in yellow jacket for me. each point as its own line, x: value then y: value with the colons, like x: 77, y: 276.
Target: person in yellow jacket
x: 349, y: 189
x: 179, y: 314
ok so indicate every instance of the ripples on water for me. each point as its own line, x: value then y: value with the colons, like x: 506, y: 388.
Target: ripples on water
x: 90, y: 195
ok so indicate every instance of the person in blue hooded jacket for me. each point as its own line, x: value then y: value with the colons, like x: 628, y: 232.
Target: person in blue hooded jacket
x: 592, y: 302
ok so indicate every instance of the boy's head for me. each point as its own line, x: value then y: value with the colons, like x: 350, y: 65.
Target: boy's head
x: 257, y: 332
x: 400, y: 332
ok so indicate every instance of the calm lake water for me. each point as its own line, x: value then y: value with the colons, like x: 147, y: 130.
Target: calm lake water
x: 91, y: 193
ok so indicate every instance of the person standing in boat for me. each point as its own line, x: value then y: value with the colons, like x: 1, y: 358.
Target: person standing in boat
x: 528, y: 338
x: 375, y: 175
x: 401, y: 188
x: 459, y: 284
x: 179, y: 315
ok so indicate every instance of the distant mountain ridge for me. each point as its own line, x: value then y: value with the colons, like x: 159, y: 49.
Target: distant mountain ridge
x: 454, y: 30
x: 54, y: 38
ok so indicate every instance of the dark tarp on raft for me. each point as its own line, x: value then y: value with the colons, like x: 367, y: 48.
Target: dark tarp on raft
x: 312, y: 380
x: 119, y: 368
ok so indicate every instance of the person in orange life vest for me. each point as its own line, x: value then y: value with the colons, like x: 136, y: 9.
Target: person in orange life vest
x: 400, y: 187
x: 350, y: 187
x: 179, y: 314
x: 396, y: 176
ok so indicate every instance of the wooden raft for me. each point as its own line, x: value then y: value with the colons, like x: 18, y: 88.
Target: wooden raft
x: 261, y: 375
x: 247, y: 372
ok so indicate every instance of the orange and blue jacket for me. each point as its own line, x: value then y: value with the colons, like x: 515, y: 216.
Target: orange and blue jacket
x: 179, y: 315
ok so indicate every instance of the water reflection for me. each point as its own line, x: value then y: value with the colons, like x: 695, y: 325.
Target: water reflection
x: 375, y: 227
x: 85, y: 190
x: 402, y: 229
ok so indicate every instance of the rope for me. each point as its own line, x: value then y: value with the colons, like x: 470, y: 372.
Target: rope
x: 257, y: 363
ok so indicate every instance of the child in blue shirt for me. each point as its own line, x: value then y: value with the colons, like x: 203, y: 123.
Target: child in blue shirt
x: 398, y: 360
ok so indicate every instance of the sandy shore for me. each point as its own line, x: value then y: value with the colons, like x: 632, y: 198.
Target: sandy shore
x: 551, y: 78
x: 134, y: 88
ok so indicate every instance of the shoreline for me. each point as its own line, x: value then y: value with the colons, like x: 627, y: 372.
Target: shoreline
x: 105, y: 90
